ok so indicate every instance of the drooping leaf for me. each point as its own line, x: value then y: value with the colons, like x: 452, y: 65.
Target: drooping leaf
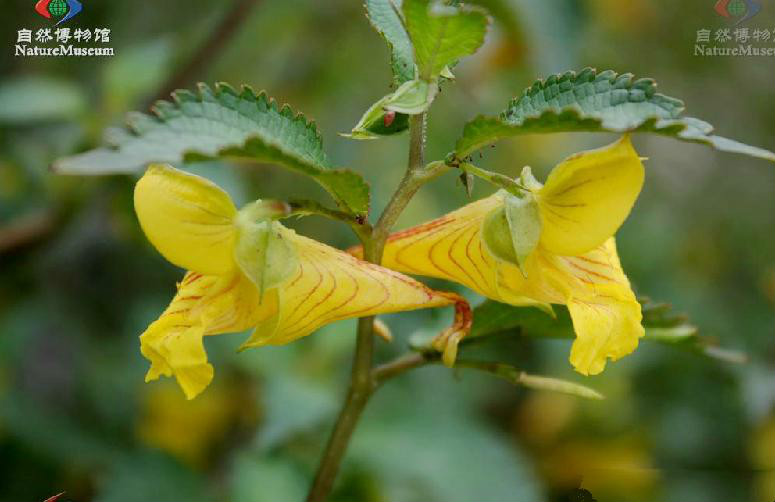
x: 662, y: 326
x: 218, y: 123
x: 384, y: 16
x: 442, y: 34
x: 589, y: 101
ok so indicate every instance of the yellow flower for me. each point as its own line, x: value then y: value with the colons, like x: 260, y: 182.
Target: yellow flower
x: 248, y: 271
x: 551, y: 245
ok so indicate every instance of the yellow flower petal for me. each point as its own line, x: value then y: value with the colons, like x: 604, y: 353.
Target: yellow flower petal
x: 187, y: 218
x: 452, y: 248
x: 330, y: 285
x: 203, y: 305
x: 605, y: 312
x: 608, y: 329
x: 449, y: 248
x: 588, y: 196
x: 177, y: 350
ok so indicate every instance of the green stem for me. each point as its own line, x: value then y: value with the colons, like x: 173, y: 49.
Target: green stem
x: 408, y: 186
x: 361, y: 388
x: 363, y: 383
x: 494, y: 178
x: 361, y: 227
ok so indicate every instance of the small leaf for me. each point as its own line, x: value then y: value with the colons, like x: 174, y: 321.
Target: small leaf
x: 378, y: 122
x: 596, y: 102
x: 384, y: 16
x: 390, y: 115
x: 412, y: 98
x: 216, y: 124
x: 558, y: 385
x: 442, y: 34
x: 517, y: 377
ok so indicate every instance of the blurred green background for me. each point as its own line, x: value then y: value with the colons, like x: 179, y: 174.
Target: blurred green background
x: 79, y: 282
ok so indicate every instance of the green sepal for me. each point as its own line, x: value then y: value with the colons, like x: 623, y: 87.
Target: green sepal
x: 497, y: 236
x: 524, y: 225
x: 512, y: 231
x: 262, y: 251
x: 528, y: 180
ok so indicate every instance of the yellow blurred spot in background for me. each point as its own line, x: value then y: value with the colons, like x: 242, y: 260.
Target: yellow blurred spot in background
x: 189, y: 429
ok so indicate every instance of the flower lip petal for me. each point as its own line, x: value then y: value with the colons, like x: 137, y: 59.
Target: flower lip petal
x: 187, y: 218
x: 588, y: 196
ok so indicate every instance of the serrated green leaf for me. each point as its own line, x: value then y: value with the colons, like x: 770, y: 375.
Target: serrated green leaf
x: 442, y: 34
x: 218, y: 123
x: 384, y: 16
x: 589, y: 101
x: 662, y: 326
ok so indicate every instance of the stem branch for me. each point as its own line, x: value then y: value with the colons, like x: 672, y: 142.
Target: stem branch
x: 361, y: 388
x: 363, y: 381
x: 408, y: 186
x: 495, y: 178
x: 361, y: 227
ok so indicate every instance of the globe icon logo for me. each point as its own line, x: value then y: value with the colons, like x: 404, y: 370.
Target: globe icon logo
x: 735, y: 8
x: 742, y: 10
x: 64, y: 9
x: 57, y: 8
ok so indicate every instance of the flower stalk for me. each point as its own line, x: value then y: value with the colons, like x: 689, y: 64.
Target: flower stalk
x: 363, y: 381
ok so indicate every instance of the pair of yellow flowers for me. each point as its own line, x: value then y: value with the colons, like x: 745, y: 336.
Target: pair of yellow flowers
x: 545, y: 244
